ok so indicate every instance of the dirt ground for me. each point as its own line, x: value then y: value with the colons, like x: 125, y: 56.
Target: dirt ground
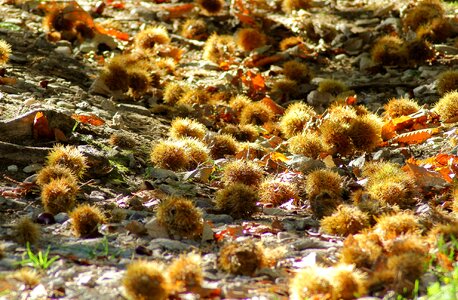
x: 58, y: 77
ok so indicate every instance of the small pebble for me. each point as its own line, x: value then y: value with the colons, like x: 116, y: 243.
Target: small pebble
x: 12, y: 168
x: 61, y: 217
x: 32, y: 168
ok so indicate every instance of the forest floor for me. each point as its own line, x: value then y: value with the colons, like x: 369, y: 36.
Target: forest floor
x: 56, y: 78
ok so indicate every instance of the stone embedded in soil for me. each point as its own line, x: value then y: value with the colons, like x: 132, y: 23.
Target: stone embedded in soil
x: 156, y: 230
x: 219, y: 219
x: 168, y: 244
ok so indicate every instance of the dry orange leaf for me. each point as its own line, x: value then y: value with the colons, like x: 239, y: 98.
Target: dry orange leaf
x: 179, y: 10
x: 273, y: 106
x: 258, y: 82
x: 444, y: 261
x: 117, y: 34
x: 59, y: 135
x: 261, y: 61
x: 278, y: 156
x: 415, y: 137
x: 351, y: 100
x: 8, y: 80
x: 91, y: 119
x: 423, y: 176
x: 41, y: 129
x: 245, y: 19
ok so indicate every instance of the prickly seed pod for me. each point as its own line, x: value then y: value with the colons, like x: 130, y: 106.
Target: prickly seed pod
x: 194, y: 96
x: 437, y: 30
x: 122, y: 139
x: 344, y: 221
x: 49, y: 173
x: 242, y: 171
x: 5, y: 51
x: 184, y: 127
x: 311, y: 282
x: 389, y: 184
x: 28, y: 277
x: 332, y: 86
x: 239, y: 102
x: 25, y: 230
x: 295, y: 118
x: 447, y: 106
x: 59, y: 195
x: 169, y: 155
x: 249, y: 39
x: 422, y: 13
x: 419, y: 50
x: 277, y: 192
x: 186, y: 272
x: 392, y: 226
x: 138, y: 81
x: 86, y: 219
x: 347, y: 282
x: 400, y: 107
x: 242, y: 133
x: 180, y: 217
x: 297, y: 71
x: 145, y: 280
x: 365, y: 132
x: 194, y: 29
x: 256, y: 113
x: 335, y: 138
x: 241, y: 258
x: 308, y: 144
x: 238, y: 200
x: 173, y: 92
x: 361, y: 250
x: 114, y: 75
x: 323, y: 180
x: 285, y: 89
x: 222, y: 145
x: 68, y: 156
x: 196, y: 151
x: 389, y: 50
x: 444, y: 233
x: 447, y: 82
x: 149, y: 37
x: 219, y: 48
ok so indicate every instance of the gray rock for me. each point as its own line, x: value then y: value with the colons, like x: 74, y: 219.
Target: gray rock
x: 64, y: 50
x: 141, y: 110
x: 446, y: 49
x: 157, y: 173
x: 275, y: 211
x: 32, y: 168
x: 381, y: 154
x: 12, y: 168
x: 219, y: 219
x: 156, y: 230
x: 61, y: 217
x: 310, y: 243
x: 168, y: 244
x: 307, y: 222
x: 316, y: 98
x: 97, y: 196
x: 365, y: 63
x: 305, y: 164
x: 207, y: 233
x: 9, y: 89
